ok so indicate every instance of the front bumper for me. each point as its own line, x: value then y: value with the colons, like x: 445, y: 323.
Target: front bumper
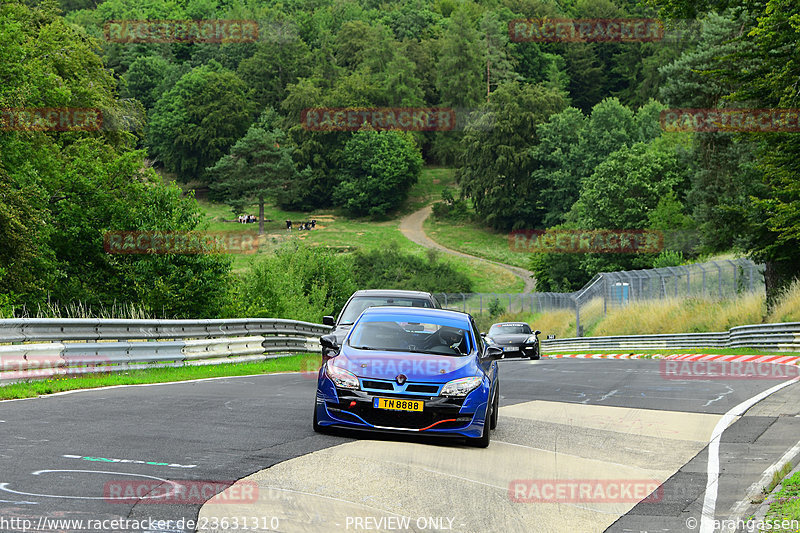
x: 440, y: 415
x: 518, y: 350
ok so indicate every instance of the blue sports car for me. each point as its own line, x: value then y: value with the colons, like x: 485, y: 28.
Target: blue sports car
x: 406, y: 369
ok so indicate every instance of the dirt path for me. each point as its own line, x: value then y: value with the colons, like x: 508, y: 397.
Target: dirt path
x: 411, y: 226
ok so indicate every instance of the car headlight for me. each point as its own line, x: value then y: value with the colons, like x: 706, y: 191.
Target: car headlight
x: 530, y: 340
x: 460, y: 387
x: 341, y: 378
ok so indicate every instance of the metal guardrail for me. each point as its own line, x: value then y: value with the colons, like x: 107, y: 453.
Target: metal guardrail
x: 782, y: 337
x: 44, y: 348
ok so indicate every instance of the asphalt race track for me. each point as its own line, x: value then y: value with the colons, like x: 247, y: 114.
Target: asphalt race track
x: 603, y: 424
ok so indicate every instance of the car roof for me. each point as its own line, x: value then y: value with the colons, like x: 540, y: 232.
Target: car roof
x: 415, y: 311
x: 511, y: 324
x: 391, y: 292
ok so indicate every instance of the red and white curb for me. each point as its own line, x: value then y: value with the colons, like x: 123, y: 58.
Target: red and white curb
x: 773, y: 359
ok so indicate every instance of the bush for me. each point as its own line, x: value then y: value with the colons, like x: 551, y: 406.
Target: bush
x: 496, y: 308
x: 668, y: 258
x: 389, y: 268
x: 378, y: 169
x: 450, y: 208
x: 296, y: 282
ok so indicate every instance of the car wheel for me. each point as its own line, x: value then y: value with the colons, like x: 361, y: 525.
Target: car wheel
x: 536, y: 355
x: 483, y: 440
x: 317, y: 427
x: 496, y: 407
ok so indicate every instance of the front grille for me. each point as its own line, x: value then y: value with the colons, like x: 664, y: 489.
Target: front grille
x: 429, y: 389
x: 381, y: 385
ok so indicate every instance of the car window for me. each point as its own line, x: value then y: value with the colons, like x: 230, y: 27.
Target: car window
x: 478, y: 338
x: 357, y: 305
x: 509, y: 329
x: 431, y: 336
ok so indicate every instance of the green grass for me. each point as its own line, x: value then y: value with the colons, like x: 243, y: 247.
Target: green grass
x: 429, y: 188
x: 786, y: 505
x: 474, y: 239
x: 30, y: 389
x: 339, y: 232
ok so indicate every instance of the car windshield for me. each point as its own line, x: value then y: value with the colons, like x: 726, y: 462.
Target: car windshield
x: 357, y: 305
x: 431, y: 335
x: 509, y: 329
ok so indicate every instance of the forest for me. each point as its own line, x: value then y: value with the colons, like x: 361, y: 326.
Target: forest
x: 546, y: 135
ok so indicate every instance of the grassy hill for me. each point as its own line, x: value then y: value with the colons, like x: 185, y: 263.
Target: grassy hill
x: 342, y: 233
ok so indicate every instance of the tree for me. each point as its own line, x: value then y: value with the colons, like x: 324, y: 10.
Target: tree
x: 557, y: 160
x: 147, y: 79
x: 276, y: 64
x: 377, y: 171
x: 629, y: 183
x: 497, y: 165
x: 761, y: 70
x: 258, y: 165
x: 499, y: 63
x: 461, y: 63
x: 198, y: 120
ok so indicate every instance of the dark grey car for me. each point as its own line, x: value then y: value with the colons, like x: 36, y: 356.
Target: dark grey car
x: 361, y: 300
x: 515, y: 338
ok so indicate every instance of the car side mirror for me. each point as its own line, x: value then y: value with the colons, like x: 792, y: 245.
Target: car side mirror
x: 494, y: 353
x: 483, y: 335
x: 328, y: 321
x: 329, y: 346
x: 537, y: 332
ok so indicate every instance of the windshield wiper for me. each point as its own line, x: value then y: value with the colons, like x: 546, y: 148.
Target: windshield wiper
x: 362, y: 347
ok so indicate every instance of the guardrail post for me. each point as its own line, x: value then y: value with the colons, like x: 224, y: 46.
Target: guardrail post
x: 578, y: 332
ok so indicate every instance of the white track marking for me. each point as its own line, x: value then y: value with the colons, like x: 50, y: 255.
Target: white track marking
x: 4, y: 486
x: 712, y: 485
x: 739, y: 508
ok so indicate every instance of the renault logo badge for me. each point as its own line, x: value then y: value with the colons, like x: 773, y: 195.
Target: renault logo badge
x: 401, y: 378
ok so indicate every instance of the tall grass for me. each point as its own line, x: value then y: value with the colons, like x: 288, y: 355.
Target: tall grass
x: 787, y: 308
x: 690, y: 315
x: 79, y: 309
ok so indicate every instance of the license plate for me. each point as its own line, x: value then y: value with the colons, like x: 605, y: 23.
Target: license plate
x: 397, y: 405
x: 511, y: 349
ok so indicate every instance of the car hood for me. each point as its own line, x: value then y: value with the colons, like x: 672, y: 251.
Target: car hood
x: 511, y: 339
x: 416, y: 367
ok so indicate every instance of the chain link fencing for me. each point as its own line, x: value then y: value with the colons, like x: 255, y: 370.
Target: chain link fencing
x: 717, y: 280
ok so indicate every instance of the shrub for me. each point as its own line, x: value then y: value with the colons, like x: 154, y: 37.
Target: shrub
x: 296, y: 282
x: 389, y: 268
